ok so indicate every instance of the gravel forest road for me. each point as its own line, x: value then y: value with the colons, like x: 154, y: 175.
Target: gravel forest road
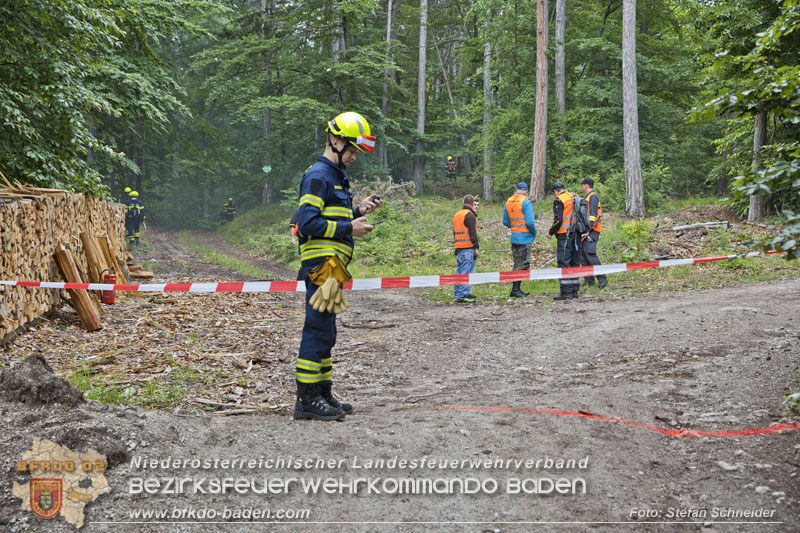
x: 711, y: 360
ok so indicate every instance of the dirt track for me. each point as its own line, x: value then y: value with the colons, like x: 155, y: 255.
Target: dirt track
x: 707, y: 360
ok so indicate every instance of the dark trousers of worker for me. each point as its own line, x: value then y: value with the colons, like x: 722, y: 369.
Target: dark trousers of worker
x: 314, y: 363
x: 521, y: 254
x: 568, y: 254
x: 589, y: 254
x: 132, y: 228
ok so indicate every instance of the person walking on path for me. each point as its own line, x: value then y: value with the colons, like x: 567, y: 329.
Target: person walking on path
x: 518, y: 215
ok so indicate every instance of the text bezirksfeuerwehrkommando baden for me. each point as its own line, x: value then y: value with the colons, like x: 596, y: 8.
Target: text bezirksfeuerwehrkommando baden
x: 357, y: 463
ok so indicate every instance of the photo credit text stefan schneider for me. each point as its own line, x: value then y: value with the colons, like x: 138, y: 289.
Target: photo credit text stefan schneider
x: 272, y: 476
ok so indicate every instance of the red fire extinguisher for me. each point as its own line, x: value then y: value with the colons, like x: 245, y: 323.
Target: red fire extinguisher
x: 109, y: 278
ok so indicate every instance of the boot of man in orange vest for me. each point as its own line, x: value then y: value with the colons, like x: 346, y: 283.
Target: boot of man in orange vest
x: 590, y: 238
x: 568, y: 251
x: 518, y: 215
x: 465, y: 231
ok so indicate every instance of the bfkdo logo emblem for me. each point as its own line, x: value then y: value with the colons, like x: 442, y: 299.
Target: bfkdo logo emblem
x: 46, y: 497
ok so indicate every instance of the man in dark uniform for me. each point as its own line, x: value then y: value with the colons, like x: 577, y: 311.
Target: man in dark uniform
x: 130, y: 215
x: 138, y: 216
x: 327, y: 222
x: 229, y: 210
x: 451, y: 168
x: 568, y: 251
x: 590, y: 238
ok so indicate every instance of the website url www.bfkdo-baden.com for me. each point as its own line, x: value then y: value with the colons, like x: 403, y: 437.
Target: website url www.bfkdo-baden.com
x: 187, y: 514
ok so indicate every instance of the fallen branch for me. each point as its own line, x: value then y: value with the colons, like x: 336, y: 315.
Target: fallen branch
x: 368, y: 326
x: 722, y: 224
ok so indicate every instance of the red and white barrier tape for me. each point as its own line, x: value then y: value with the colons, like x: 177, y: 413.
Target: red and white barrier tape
x: 366, y: 284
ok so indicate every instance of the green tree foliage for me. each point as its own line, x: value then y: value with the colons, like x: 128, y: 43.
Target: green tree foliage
x: 766, y: 72
x: 50, y: 50
x: 186, y: 101
x: 82, y: 78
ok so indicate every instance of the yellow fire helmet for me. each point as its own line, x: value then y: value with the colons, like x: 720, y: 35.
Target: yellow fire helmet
x: 134, y: 194
x: 353, y: 128
x: 127, y: 190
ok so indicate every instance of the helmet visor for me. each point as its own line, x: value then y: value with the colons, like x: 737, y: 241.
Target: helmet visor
x: 365, y: 143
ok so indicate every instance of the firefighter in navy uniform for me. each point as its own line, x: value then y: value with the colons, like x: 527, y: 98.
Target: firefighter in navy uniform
x: 590, y: 238
x: 229, y: 210
x: 131, y: 214
x: 327, y: 222
x: 137, y: 210
x: 568, y: 251
x: 128, y: 203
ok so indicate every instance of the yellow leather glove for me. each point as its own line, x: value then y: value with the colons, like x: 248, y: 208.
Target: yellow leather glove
x: 329, y: 276
x: 331, y: 267
x: 329, y: 298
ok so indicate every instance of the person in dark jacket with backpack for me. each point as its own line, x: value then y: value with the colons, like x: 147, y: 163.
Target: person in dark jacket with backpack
x: 568, y: 251
x: 590, y: 238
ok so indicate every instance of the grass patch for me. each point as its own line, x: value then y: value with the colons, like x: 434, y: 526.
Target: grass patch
x: 167, y: 390
x: 217, y: 258
x: 416, y: 238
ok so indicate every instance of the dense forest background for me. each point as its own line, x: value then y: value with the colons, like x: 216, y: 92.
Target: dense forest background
x: 189, y: 102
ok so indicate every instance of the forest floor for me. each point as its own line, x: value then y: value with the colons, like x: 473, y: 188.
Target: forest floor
x: 218, y: 371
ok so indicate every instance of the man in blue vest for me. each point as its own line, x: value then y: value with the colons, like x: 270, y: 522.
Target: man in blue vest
x: 327, y: 222
x: 518, y: 215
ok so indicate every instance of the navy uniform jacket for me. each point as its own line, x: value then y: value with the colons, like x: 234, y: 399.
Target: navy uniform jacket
x: 130, y: 208
x: 138, y: 206
x: 325, y: 213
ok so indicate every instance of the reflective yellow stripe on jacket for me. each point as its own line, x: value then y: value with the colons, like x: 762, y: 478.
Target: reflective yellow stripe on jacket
x: 316, y: 247
x: 595, y: 219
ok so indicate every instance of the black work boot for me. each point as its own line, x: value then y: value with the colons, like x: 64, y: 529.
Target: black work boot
x: 602, y: 282
x: 327, y: 395
x: 589, y: 281
x: 311, y: 405
x: 515, y: 291
x: 566, y: 296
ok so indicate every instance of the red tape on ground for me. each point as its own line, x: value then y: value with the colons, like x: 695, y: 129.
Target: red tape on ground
x: 387, y: 283
x: 678, y: 433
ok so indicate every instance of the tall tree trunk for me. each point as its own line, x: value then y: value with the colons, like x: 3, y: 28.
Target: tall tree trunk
x: 453, y: 107
x: 387, y: 74
x: 539, y: 165
x: 634, y: 189
x: 204, y: 201
x: 266, y: 114
x: 140, y: 175
x: 175, y: 174
x: 721, y: 188
x: 757, y: 201
x: 419, y: 158
x: 561, y: 78
x: 487, y: 117
x: 338, y: 45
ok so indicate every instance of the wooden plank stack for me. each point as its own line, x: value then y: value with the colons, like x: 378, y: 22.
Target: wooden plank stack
x: 34, y: 224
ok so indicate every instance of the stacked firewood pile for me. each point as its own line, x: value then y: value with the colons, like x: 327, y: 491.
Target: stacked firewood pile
x: 36, y: 226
